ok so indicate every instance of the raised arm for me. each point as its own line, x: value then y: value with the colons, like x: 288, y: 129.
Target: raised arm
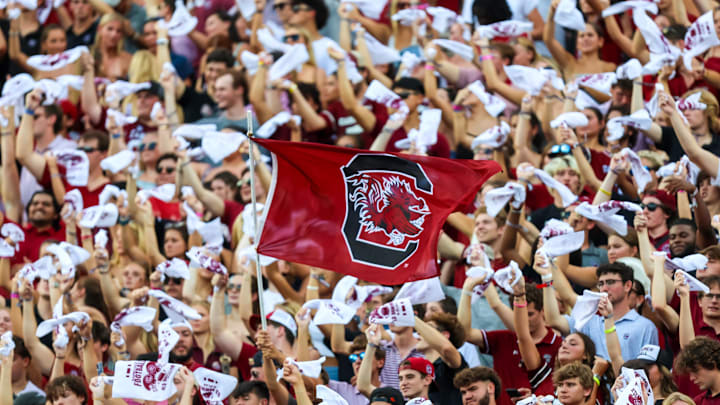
x: 40, y: 353
x: 550, y: 306
x: 646, y: 253
x: 563, y: 57
x: 364, y: 117
x: 492, y: 80
x: 10, y: 179
x: 605, y: 309
x: 257, y: 91
x: 364, y: 377
x: 686, y: 329
x: 528, y: 351
x: 210, y: 200
x: 24, y: 152
x: 225, y: 340
x: 107, y: 286
x: 658, y: 293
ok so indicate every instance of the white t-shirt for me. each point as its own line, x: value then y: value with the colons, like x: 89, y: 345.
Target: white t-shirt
x: 521, y: 9
x: 30, y: 387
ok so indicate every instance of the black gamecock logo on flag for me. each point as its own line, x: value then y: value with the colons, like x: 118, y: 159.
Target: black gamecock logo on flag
x: 385, y: 209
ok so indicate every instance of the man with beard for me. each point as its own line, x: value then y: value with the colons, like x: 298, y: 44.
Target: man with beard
x: 574, y: 383
x: 185, y: 351
x: 43, y: 223
x: 478, y: 386
x: 682, y: 233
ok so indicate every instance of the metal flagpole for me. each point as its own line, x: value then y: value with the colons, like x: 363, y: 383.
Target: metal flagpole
x: 258, y: 271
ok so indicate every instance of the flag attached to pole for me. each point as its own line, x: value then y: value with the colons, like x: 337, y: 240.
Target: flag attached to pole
x: 373, y: 215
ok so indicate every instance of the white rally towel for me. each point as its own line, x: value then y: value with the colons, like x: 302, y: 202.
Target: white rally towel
x: 694, y: 283
x: 419, y: 401
x: 14, y: 232
x: 174, y: 268
x: 507, y: 28
x: 310, y: 369
x: 268, y: 129
x: 144, y: 380
x: 74, y: 200
x: 181, y: 23
x: 408, y: 16
x: 641, y: 175
x: 194, y: 131
x: 572, y: 119
x: 292, y: 60
x: 494, y: 105
x: 494, y: 137
x: 459, y: 48
x: 48, y: 325
x: 328, y: 396
x: 133, y: 316
x: 567, y: 196
x: 119, y: 89
x: 569, y: 16
x: 606, y: 213
x: 110, y: 192
x: 480, y: 272
x: 631, y: 69
x: 380, y: 94
x: 118, y: 162
x: 561, y: 240
x: 219, y: 145
x: 167, y: 339
x: 496, y: 199
x: 398, y: 313
x: 691, y: 262
x: 635, y: 388
x: 601, y: 82
x: 198, y: 255
x: 59, y: 60
x: 42, y: 268
x: 585, y: 307
x: 507, y: 277
x: 654, y: 38
x: 624, y: 6
x: 176, y: 310
x: 77, y: 166
x: 100, y: 216
x: 214, y: 386
x: 370, y: 8
x: 427, y: 133
x: 7, y: 343
x: 691, y: 102
x: 699, y: 37
x: 101, y: 238
x: 330, y: 312
x: 379, y: 53
x: 526, y: 78
x: 422, y: 291
x: 640, y: 119
x: 120, y: 119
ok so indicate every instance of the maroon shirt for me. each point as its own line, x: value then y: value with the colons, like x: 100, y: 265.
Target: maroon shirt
x: 30, y: 248
x: 440, y: 149
x: 346, y: 124
x: 706, y: 398
x: 90, y: 197
x: 503, y: 346
x: 231, y: 212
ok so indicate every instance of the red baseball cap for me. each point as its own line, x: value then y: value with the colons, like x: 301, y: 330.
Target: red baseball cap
x: 667, y: 199
x: 419, y: 364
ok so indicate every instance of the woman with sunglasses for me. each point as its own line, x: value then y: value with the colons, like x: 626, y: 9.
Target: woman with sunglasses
x: 149, y: 154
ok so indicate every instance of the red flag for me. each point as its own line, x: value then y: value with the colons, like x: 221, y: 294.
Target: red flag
x: 373, y: 215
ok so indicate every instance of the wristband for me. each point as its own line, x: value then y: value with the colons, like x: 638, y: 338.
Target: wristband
x: 609, y: 331
x: 312, y: 287
x: 124, y: 219
x: 373, y: 345
x: 458, y: 108
x: 487, y: 57
x: 162, y: 41
x: 468, y: 293
x: 116, y: 136
x: 30, y: 112
x: 546, y: 277
x: 292, y: 88
x: 55, y: 176
x: 86, y: 237
x: 14, y: 296
x: 596, y: 378
x: 429, y: 66
x: 520, y: 304
x: 607, y: 193
x: 545, y: 284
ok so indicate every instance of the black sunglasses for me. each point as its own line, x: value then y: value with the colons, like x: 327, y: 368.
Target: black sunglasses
x: 87, y: 149
x: 300, y: 7
x: 292, y: 37
x: 280, y: 6
x: 404, y: 95
x: 173, y: 280
x: 651, y: 206
x: 168, y: 170
x: 232, y: 286
x: 402, y: 6
x: 148, y: 146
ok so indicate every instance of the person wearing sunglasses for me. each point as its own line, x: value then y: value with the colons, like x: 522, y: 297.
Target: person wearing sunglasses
x: 658, y: 209
x: 412, y: 92
x: 311, y: 15
x: 351, y: 391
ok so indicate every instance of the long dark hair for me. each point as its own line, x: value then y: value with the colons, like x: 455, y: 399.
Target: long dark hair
x: 491, y: 11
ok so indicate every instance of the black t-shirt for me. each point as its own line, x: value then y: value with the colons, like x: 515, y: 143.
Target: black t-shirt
x: 670, y: 144
x: 539, y: 217
x: 4, y: 59
x: 443, y: 391
x: 84, y: 38
x: 29, y: 45
x: 197, y: 105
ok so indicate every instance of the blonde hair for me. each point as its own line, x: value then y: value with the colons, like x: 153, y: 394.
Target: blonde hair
x: 106, y: 19
x: 308, y: 43
x: 678, y: 396
x: 712, y: 110
x: 657, y: 158
x: 560, y: 163
x: 143, y: 67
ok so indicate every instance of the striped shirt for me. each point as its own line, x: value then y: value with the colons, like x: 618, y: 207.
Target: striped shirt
x: 389, y: 374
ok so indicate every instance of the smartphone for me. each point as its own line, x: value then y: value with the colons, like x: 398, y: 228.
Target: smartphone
x: 513, y: 392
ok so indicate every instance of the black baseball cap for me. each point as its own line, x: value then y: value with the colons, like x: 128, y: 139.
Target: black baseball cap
x: 653, y: 354
x: 387, y: 394
x: 155, y: 89
x: 256, y: 360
